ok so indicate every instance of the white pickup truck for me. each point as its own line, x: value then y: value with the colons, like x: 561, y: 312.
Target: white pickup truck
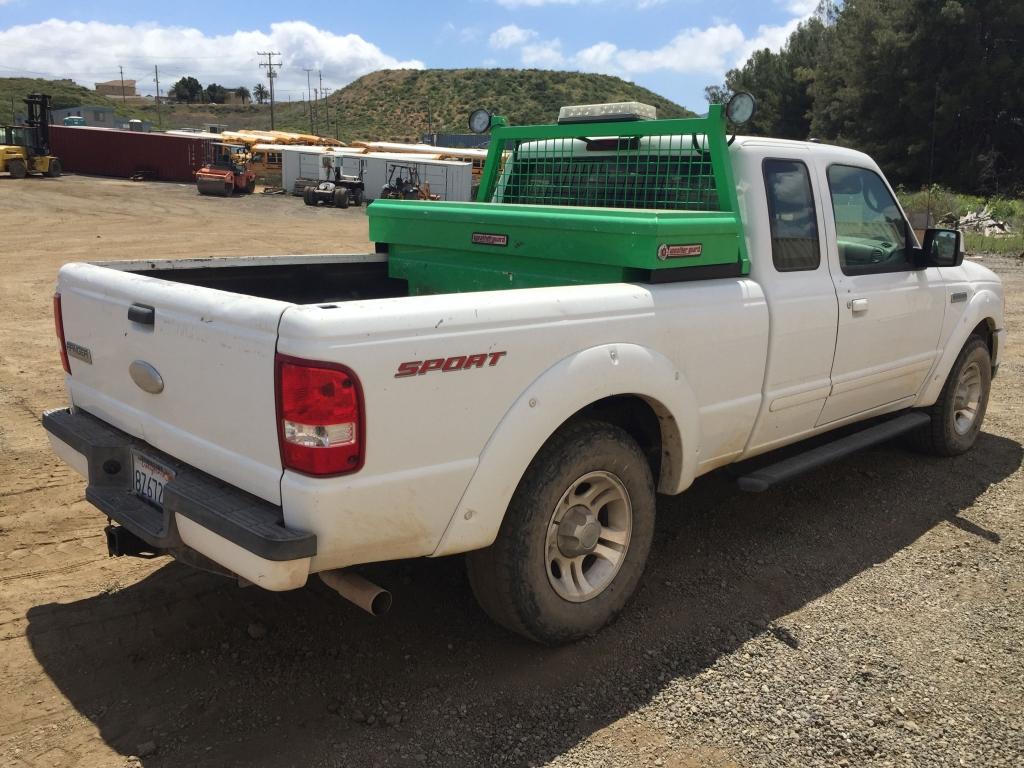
x: 276, y: 417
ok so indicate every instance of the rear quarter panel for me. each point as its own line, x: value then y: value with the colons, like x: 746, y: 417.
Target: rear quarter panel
x: 426, y: 433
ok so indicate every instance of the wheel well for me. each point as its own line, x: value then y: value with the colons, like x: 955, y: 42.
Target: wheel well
x: 984, y: 330
x: 638, y: 417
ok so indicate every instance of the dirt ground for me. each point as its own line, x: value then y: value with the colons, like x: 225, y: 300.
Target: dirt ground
x: 870, y: 613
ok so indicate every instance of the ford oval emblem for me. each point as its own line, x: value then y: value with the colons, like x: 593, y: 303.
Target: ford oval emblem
x: 146, y: 377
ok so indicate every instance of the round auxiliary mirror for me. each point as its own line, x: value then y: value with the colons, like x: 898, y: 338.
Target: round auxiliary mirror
x: 740, y: 107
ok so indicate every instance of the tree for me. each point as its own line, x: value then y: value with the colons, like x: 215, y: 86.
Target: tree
x: 260, y: 93
x: 933, y: 90
x: 717, y: 94
x: 242, y: 94
x: 781, y: 82
x: 216, y: 94
x: 187, y: 89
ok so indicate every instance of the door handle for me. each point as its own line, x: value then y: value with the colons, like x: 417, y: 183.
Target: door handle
x: 858, y: 305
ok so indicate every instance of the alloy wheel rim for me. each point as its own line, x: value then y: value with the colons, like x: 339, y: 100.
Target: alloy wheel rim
x: 967, y: 399
x: 588, y: 536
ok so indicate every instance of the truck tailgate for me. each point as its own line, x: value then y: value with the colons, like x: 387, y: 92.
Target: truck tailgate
x: 213, y: 351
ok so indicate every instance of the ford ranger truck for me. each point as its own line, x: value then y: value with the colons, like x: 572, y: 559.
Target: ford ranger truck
x: 628, y: 304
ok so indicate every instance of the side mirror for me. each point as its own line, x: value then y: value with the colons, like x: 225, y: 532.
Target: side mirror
x: 942, y: 248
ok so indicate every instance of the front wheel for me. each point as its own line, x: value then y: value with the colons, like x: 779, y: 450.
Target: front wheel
x: 575, y: 538
x: 53, y: 170
x: 958, y: 413
x: 17, y: 168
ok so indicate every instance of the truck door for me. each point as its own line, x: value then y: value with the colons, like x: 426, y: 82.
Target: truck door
x: 890, y: 313
x: 801, y: 297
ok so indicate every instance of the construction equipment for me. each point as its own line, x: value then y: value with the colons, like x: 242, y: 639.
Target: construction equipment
x: 25, y: 148
x: 226, y: 170
x: 339, y: 193
x: 404, y: 184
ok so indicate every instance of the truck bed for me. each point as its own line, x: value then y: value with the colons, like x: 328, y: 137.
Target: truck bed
x: 310, y: 279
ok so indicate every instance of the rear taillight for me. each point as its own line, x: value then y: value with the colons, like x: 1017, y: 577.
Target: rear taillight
x: 320, y: 417
x: 58, y: 323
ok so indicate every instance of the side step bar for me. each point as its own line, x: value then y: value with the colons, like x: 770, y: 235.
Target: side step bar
x: 764, y: 478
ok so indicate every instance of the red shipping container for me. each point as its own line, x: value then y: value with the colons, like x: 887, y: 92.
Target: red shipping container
x: 111, y: 152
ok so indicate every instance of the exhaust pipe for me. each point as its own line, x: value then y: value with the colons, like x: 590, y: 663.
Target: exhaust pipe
x: 123, y: 543
x: 354, y: 588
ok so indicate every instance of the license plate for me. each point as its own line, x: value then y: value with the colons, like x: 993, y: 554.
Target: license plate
x: 149, y: 479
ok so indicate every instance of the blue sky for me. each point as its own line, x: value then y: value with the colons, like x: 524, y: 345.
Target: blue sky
x: 674, y: 47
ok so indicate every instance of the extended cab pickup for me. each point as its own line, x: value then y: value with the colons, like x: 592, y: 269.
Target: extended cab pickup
x: 628, y: 305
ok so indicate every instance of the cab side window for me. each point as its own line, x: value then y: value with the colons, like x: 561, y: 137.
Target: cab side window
x: 794, y: 225
x: 871, y: 233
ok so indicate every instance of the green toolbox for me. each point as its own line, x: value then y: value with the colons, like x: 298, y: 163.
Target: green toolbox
x: 604, y: 196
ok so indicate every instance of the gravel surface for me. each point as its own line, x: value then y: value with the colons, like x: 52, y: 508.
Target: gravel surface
x: 867, y: 614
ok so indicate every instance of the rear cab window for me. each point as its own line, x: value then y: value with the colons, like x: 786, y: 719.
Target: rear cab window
x: 791, y: 214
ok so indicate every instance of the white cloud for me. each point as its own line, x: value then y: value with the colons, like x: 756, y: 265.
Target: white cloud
x: 510, y: 36
x: 547, y: 54
x: 90, y: 52
x: 462, y: 34
x: 704, y: 51
x: 773, y: 37
x: 803, y: 8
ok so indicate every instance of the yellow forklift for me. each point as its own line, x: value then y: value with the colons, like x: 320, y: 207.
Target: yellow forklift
x: 25, y: 148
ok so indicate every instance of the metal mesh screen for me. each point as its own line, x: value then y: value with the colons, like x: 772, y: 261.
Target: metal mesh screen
x: 669, y: 172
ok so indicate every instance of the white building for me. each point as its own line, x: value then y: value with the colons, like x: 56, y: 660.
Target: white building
x: 450, y: 179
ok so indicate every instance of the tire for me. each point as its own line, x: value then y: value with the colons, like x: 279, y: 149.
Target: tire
x: 341, y: 198
x: 309, y: 196
x: 251, y: 186
x: 520, y: 581
x: 54, y: 170
x: 357, y: 197
x: 17, y: 168
x: 957, y: 415
x: 229, y: 189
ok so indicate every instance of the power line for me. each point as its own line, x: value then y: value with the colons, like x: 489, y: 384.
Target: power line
x: 271, y: 74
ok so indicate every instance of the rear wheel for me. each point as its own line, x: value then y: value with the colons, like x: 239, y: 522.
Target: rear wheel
x: 229, y: 188
x: 357, y: 197
x: 958, y: 413
x: 574, y: 541
x: 54, y: 170
x: 17, y: 168
x: 341, y: 198
x: 251, y: 186
x: 309, y: 196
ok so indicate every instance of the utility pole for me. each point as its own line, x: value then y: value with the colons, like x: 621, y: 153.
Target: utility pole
x: 271, y: 74
x: 327, y: 109
x: 159, y: 112
x: 122, y: 83
x: 316, y: 101
x: 309, y: 92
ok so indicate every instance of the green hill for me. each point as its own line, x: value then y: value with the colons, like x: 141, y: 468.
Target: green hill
x: 394, y: 104
x: 64, y: 93
x: 389, y: 105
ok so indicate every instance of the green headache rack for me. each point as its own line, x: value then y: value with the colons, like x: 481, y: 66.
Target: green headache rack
x: 647, y: 201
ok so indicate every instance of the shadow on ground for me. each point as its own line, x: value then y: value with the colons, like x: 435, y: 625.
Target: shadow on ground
x: 170, y: 659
